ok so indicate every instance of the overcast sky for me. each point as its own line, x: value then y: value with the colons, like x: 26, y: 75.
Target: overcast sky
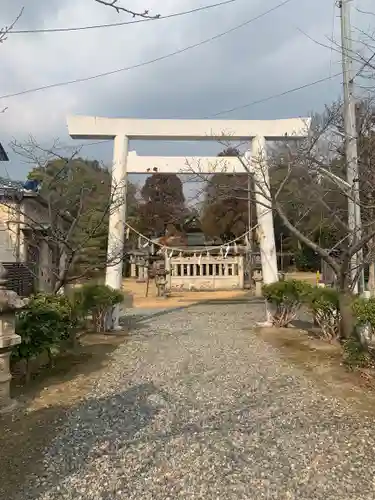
x: 264, y: 58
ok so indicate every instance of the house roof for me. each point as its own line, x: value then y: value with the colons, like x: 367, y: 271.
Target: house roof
x: 192, y: 224
x: 10, y: 188
x: 10, y: 184
x: 3, y: 155
x: 188, y: 224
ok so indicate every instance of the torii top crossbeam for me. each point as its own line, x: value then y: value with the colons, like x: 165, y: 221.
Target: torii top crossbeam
x: 92, y: 127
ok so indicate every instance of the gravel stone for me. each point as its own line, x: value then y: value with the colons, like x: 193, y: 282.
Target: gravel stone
x: 195, y: 406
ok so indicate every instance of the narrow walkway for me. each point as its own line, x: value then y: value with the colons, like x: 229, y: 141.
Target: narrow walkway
x: 195, y: 406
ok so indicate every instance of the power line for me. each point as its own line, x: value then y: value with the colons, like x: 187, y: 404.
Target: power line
x: 151, y: 61
x: 253, y: 103
x: 123, y: 23
x: 364, y: 66
x: 356, y: 57
x: 332, y: 36
x: 275, y: 96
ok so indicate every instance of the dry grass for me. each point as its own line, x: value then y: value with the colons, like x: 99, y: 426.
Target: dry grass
x: 46, y: 400
x: 176, y: 299
x: 322, y: 361
x: 309, y: 277
x: 53, y: 392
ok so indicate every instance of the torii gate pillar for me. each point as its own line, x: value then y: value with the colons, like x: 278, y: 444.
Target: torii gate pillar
x: 266, y: 232
x: 116, y: 227
x: 123, y: 129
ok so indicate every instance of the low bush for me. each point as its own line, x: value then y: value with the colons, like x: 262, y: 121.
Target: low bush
x: 98, y: 301
x: 306, y: 260
x: 364, y: 314
x: 47, y: 321
x: 324, y: 305
x: 50, y: 321
x: 356, y: 355
x: 286, y: 297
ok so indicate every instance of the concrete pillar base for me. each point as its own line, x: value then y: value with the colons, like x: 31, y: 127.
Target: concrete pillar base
x: 269, y: 319
x: 11, y: 302
x: 258, y: 288
x: 6, y: 403
x: 10, y: 407
x: 265, y: 324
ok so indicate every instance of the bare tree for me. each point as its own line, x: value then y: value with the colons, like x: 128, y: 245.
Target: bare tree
x: 305, y: 178
x: 4, y: 35
x: 4, y: 31
x: 73, y: 224
x: 120, y: 8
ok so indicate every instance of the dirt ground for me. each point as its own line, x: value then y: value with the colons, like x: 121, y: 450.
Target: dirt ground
x: 46, y: 400
x: 322, y: 361
x: 50, y: 395
x: 43, y: 405
x: 176, y: 299
x: 309, y: 277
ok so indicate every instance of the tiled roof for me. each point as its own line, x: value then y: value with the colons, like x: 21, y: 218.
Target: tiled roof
x: 10, y: 184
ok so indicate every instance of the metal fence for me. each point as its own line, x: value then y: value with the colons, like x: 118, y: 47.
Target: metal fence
x: 20, y: 278
x: 205, y: 272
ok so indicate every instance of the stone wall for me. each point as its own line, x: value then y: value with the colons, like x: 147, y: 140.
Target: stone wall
x: 9, y: 233
x: 205, y: 272
x: 16, y: 234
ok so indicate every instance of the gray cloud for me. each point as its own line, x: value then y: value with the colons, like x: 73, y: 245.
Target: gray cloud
x: 262, y: 59
x: 34, y: 12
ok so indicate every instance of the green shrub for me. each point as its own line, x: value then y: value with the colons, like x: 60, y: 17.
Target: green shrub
x: 306, y: 260
x: 324, y: 305
x: 364, y: 311
x: 80, y: 310
x: 356, y: 349
x: 364, y: 315
x: 66, y: 309
x: 286, y: 298
x: 356, y: 355
x: 97, y: 300
x: 42, y: 326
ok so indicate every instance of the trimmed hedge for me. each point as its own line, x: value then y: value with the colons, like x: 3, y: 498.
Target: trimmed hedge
x: 96, y: 300
x: 50, y: 321
x: 47, y: 321
x: 324, y: 306
x: 286, y: 297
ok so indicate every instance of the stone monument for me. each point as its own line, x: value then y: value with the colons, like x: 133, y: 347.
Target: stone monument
x: 161, y: 279
x: 10, y: 302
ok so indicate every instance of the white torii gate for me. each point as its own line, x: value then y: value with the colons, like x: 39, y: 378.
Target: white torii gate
x: 124, y: 129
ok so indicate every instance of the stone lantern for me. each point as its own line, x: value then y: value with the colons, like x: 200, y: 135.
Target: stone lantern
x: 160, y: 273
x: 10, y: 302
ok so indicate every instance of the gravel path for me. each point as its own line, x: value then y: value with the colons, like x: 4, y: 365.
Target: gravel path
x: 195, y: 406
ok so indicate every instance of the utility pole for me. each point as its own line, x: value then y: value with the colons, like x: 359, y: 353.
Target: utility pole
x: 250, y: 233
x: 350, y: 132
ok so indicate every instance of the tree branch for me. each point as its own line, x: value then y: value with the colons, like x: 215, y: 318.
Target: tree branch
x: 118, y: 8
x: 4, y: 31
x: 304, y: 239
